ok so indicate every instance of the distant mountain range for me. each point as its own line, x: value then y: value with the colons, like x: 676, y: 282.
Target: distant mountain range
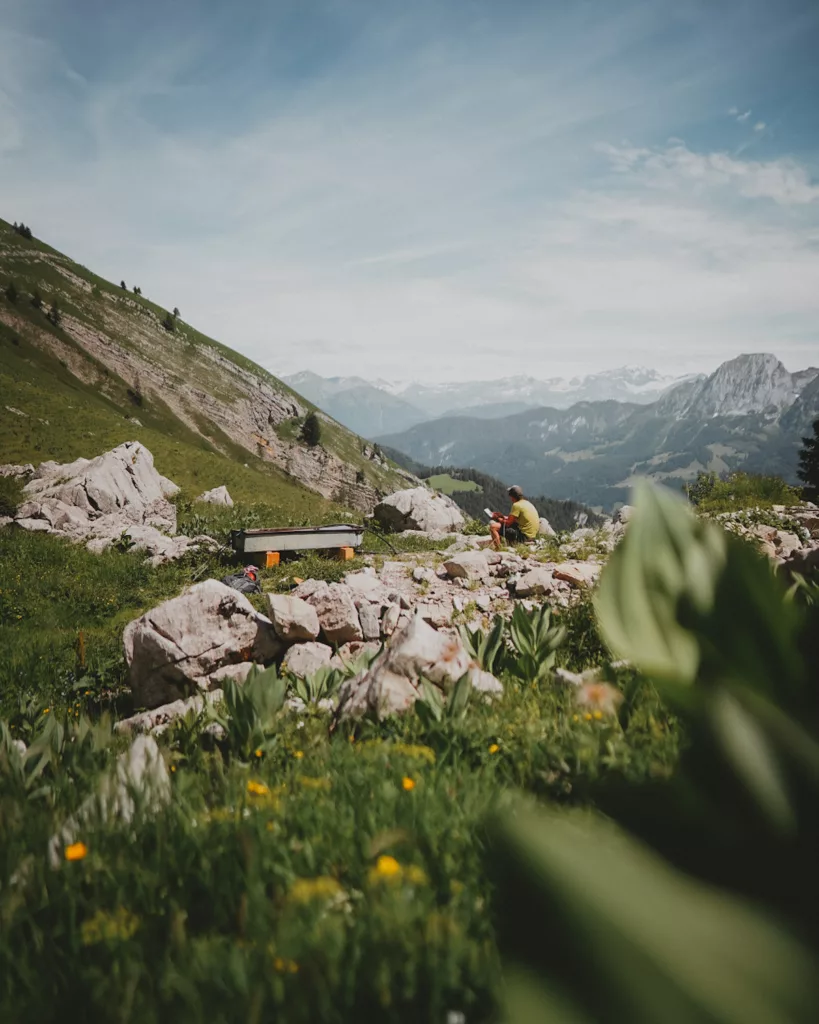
x: 373, y: 408
x: 750, y: 413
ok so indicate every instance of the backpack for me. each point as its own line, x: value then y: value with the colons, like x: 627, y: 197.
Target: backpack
x: 242, y: 582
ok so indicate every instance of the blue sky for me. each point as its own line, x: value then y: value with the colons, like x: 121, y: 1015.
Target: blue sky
x: 432, y: 190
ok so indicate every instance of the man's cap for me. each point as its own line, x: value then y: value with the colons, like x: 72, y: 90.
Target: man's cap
x: 251, y: 568
x: 515, y: 492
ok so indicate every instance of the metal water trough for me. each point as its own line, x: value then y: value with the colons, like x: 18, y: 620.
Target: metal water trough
x: 296, y: 538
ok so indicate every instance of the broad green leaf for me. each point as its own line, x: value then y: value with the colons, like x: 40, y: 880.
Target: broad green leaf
x: 749, y: 753
x: 460, y: 697
x: 667, y: 560
x: 616, y: 934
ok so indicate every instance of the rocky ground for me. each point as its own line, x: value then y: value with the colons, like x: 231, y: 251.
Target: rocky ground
x: 385, y: 627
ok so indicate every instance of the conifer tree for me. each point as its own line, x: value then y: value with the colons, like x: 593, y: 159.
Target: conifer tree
x: 54, y: 314
x: 11, y: 291
x: 808, y: 471
x: 311, y: 430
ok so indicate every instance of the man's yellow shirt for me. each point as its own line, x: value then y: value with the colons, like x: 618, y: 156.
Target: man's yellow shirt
x: 528, y: 520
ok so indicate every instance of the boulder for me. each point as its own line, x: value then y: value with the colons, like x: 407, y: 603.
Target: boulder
x: 436, y: 613
x: 17, y: 472
x: 369, y: 616
x: 337, y: 614
x: 623, y: 514
x: 158, y: 720
x: 546, y: 528
x: 304, y: 660
x: 535, y: 582
x: 423, y: 574
x: 293, y: 619
x: 159, y: 547
x: 471, y: 565
x: 140, y: 777
x: 173, y: 649
x: 787, y: 543
x: 392, y: 683
x: 579, y: 574
x: 217, y: 496
x: 121, y: 486
x: 418, y: 508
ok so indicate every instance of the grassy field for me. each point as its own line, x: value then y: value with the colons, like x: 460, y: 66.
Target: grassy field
x: 380, y: 872
x: 449, y: 485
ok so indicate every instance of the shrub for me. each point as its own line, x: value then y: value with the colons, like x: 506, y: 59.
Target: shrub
x: 736, y: 491
x: 37, y: 299
x: 808, y: 471
x: 311, y: 430
x: 169, y: 323
x: 11, y: 291
x: 54, y: 314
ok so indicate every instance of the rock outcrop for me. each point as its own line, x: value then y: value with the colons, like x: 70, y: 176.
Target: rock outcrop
x: 217, y: 496
x: 175, y: 650
x: 118, y: 497
x: 419, y: 509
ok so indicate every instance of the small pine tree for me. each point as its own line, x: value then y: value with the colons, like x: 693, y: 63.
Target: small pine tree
x: 11, y: 291
x: 311, y: 430
x: 176, y: 312
x: 37, y: 299
x: 123, y: 286
x: 169, y: 323
x: 54, y: 314
x: 808, y: 471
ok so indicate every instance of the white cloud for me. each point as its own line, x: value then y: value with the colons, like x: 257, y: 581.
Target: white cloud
x: 733, y: 112
x: 744, y: 117
x: 783, y: 180
x: 760, y: 126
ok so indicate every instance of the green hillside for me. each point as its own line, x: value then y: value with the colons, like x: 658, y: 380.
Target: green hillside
x: 108, y: 371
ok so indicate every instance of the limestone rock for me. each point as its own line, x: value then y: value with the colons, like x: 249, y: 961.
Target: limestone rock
x: 422, y: 574
x: 392, y: 682
x: 579, y: 574
x: 623, y: 514
x: 546, y: 528
x: 484, y: 682
x: 140, y: 770
x: 18, y: 472
x: 535, y: 582
x: 304, y: 660
x: 293, y: 619
x: 336, y: 610
x: 170, y: 648
x: 787, y: 543
x: 158, y: 720
x: 471, y: 565
x: 419, y: 509
x: 217, y: 496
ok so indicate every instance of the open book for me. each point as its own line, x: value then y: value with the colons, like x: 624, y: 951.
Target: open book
x: 488, y: 512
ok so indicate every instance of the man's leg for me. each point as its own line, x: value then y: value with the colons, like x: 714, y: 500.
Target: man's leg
x: 495, y: 531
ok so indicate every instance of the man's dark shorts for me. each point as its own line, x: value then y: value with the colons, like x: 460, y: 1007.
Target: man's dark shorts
x: 513, y: 535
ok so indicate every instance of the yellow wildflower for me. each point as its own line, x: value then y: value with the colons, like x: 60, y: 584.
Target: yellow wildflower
x: 285, y: 966
x: 76, y: 851
x: 310, y: 783
x: 105, y: 927
x: 575, y: 718
x: 257, y: 788
x: 258, y: 753
x: 407, y: 783
x: 306, y: 890
x: 597, y: 714
x: 298, y: 754
x: 46, y: 710
x: 587, y: 717
x: 415, y: 875
x: 387, y: 869
x: 493, y: 748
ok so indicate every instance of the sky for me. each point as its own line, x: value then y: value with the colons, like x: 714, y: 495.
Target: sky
x: 435, y: 190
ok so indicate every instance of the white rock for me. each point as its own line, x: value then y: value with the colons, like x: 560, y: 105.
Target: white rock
x: 422, y: 574
x: 305, y: 659
x: 419, y: 509
x: 546, y: 529
x: 535, y: 582
x: 19, y: 472
x: 33, y: 525
x: 484, y: 682
x: 336, y: 610
x: 140, y: 770
x: 484, y: 602
x: 436, y: 613
x: 623, y: 514
x: 579, y: 574
x: 471, y: 565
x: 217, y: 496
x: 157, y: 720
x: 293, y: 619
x: 390, y: 620
x: 170, y: 648
x: 787, y: 543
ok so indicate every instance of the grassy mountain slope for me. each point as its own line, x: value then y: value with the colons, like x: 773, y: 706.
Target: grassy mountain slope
x: 111, y: 372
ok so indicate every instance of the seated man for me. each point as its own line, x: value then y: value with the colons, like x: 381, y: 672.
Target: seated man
x: 522, y: 524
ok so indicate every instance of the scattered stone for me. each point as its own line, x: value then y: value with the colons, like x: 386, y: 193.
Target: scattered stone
x: 293, y: 619
x: 546, y: 528
x: 19, y: 472
x: 419, y: 509
x: 5, y: 521
x: 484, y: 682
x: 484, y: 602
x: 422, y: 574
x: 158, y: 720
x: 436, y: 613
x: 140, y: 770
x: 390, y: 620
x: 787, y: 543
x: 173, y: 649
x: 217, y: 496
x: 304, y: 660
x: 392, y: 683
x: 623, y: 514
x: 336, y: 610
x: 579, y: 574
x: 472, y: 565
x: 535, y: 582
